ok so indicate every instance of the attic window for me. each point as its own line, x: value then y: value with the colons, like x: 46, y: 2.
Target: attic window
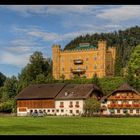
x: 66, y: 93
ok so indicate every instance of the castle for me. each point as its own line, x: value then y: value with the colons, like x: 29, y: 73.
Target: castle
x: 85, y: 60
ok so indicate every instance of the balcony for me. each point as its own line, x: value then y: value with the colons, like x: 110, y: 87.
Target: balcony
x: 135, y: 105
x: 122, y: 97
x: 78, y: 61
x: 78, y: 70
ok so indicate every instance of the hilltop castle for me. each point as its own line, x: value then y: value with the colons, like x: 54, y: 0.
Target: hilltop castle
x: 84, y: 60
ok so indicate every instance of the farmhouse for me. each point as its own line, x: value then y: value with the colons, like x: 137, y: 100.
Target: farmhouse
x: 70, y: 100
x: 58, y: 98
x: 123, y: 100
x: 38, y: 98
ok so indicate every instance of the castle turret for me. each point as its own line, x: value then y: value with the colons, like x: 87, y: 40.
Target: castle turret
x: 56, y: 61
x: 102, y: 54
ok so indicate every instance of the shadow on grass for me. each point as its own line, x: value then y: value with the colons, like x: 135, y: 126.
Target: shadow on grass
x: 20, y: 129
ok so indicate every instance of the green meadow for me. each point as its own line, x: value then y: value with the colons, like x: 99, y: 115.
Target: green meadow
x: 54, y: 125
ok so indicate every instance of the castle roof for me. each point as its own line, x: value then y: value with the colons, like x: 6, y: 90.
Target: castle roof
x: 79, y: 47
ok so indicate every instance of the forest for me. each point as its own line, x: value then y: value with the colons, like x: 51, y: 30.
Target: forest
x: 39, y: 69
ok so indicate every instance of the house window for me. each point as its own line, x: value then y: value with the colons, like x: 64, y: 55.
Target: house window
x: 62, y: 69
x: 62, y: 110
x: 86, y: 67
x: 77, y: 104
x: 71, y: 104
x: 77, y: 111
x: 61, y: 104
x: 137, y: 110
x: 131, y: 110
x: 71, y: 111
x: 48, y: 110
x: 118, y: 110
x: 53, y: 110
x: 57, y: 110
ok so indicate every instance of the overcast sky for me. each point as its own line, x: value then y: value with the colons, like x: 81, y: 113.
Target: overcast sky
x: 29, y: 28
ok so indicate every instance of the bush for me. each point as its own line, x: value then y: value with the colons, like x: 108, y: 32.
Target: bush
x: 6, y: 107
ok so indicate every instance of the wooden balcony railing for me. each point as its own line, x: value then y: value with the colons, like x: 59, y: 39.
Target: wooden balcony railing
x: 136, y: 105
x: 123, y: 97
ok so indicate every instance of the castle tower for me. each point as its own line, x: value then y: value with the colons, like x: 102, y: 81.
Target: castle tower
x: 56, y: 61
x: 112, y: 51
x: 102, y: 54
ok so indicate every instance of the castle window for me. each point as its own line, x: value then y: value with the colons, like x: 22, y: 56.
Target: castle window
x: 95, y: 67
x: 95, y: 58
x: 86, y: 58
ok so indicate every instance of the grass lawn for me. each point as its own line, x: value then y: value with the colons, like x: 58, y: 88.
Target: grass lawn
x: 54, y: 125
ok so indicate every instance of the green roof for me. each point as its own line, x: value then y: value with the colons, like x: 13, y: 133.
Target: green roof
x: 85, y: 47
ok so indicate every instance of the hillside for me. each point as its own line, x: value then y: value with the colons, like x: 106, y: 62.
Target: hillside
x: 124, y: 41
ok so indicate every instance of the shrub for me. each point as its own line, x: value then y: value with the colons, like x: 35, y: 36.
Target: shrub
x: 6, y: 107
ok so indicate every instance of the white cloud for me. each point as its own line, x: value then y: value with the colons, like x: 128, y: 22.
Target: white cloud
x: 27, y: 10
x: 12, y: 59
x: 122, y: 13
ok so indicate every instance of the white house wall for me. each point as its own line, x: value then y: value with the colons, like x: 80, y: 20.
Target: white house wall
x: 66, y: 110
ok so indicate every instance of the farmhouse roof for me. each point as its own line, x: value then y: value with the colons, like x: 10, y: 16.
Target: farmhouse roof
x: 77, y: 91
x: 40, y: 91
x: 125, y: 87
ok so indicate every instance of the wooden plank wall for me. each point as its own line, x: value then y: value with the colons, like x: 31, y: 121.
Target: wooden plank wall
x: 36, y: 103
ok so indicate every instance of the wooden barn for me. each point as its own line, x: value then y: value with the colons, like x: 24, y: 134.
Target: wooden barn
x: 124, y: 100
x: 38, y: 98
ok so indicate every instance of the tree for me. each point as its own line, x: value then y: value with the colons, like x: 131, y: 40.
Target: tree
x: 95, y: 80
x: 36, y: 71
x: 2, y: 79
x: 130, y: 79
x: 62, y: 77
x: 9, y: 89
x: 91, y: 106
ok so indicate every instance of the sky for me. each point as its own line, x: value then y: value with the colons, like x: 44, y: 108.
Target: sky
x: 25, y: 29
